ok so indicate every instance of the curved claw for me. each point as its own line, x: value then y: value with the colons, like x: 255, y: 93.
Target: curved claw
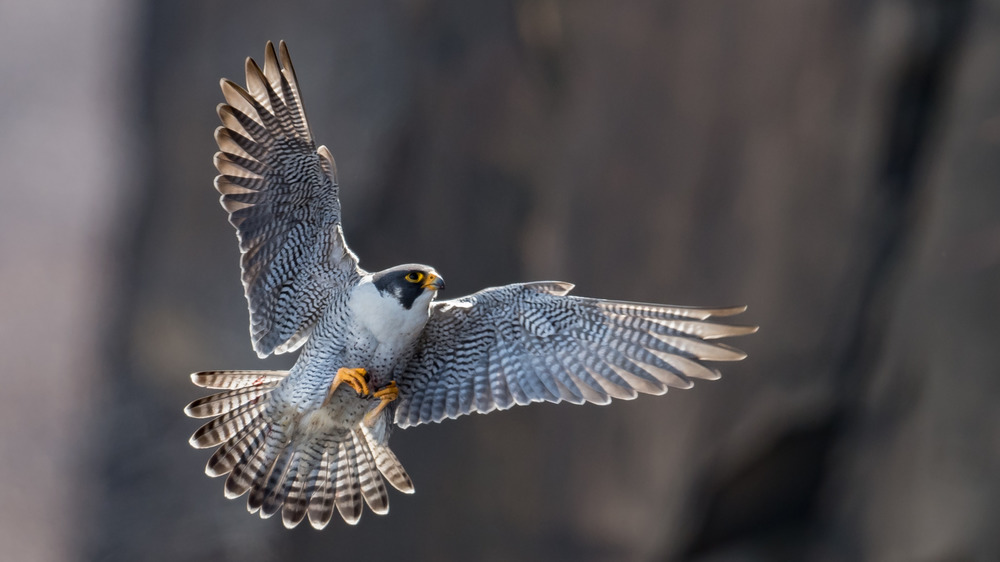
x: 356, y: 378
x: 386, y: 394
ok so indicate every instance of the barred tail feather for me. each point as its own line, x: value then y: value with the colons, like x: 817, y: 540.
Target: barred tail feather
x: 372, y: 484
x: 282, y: 469
x: 268, y: 493
x: 225, y: 427
x: 321, y: 492
x: 347, y: 493
x: 252, y: 468
x: 223, y: 402
x: 227, y: 456
x: 388, y: 464
x: 297, y: 500
x: 232, y: 380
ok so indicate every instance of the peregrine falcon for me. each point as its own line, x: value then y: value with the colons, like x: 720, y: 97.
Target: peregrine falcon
x: 377, y: 349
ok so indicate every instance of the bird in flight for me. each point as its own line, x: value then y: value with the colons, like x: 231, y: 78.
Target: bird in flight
x: 377, y: 349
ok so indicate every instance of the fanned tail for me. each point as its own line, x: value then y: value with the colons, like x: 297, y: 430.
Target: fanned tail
x: 282, y: 469
x: 349, y: 476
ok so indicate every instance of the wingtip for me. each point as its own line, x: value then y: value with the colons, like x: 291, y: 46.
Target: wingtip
x: 233, y: 92
x: 737, y: 330
x: 238, y: 96
x: 286, y: 64
x: 729, y: 311
x: 253, y: 71
x: 283, y: 52
x: 729, y: 353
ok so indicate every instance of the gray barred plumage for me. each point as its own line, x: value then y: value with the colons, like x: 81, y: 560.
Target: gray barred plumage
x: 314, y: 440
x: 282, y: 196
x: 533, y: 342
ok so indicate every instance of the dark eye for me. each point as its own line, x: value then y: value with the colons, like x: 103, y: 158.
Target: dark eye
x: 414, y: 277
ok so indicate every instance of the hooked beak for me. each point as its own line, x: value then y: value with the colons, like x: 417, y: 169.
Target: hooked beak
x: 435, y: 282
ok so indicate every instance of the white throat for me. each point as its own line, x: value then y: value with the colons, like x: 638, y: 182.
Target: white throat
x: 385, y: 317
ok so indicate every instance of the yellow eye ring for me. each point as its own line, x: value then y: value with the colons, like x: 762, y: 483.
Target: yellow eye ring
x: 414, y: 277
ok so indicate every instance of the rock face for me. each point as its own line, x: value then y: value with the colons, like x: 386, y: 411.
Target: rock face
x: 832, y: 164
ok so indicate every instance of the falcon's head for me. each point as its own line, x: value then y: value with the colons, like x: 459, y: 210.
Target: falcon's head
x: 408, y: 283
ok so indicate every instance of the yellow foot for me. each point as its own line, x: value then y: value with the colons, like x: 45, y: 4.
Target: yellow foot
x: 356, y: 378
x: 386, y: 394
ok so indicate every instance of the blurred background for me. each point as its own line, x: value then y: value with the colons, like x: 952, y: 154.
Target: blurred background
x: 831, y: 163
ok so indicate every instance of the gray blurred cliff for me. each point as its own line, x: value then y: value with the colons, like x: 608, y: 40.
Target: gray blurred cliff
x: 832, y: 164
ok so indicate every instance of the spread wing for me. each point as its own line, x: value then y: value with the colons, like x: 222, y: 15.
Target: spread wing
x: 282, y: 197
x: 532, y: 342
